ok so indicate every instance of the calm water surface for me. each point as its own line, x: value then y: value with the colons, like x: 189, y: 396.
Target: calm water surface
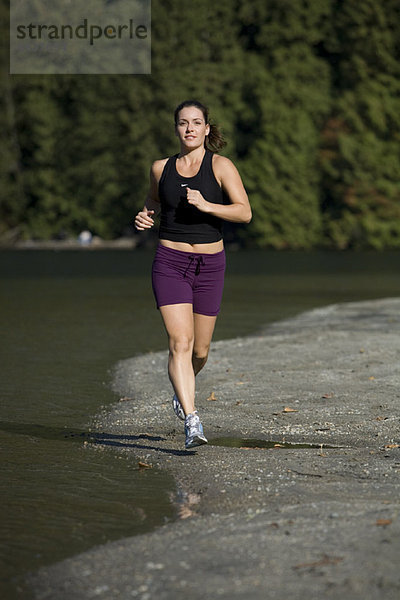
x: 66, y: 318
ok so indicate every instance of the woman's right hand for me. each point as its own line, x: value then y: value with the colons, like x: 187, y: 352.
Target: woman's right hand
x: 143, y: 220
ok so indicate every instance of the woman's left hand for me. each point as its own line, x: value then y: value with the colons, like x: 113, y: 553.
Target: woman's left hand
x: 195, y: 198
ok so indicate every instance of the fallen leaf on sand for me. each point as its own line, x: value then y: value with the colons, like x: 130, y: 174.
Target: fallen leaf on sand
x: 185, y: 512
x: 371, y: 378
x: 287, y: 409
x: 212, y: 397
x: 143, y: 465
x: 383, y: 522
x: 392, y: 445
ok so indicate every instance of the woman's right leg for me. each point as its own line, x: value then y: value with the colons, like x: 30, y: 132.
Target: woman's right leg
x: 179, y: 324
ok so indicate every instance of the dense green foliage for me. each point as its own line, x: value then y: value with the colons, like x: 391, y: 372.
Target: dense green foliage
x: 307, y: 93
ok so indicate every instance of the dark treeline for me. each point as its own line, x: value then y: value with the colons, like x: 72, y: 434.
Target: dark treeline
x: 307, y: 93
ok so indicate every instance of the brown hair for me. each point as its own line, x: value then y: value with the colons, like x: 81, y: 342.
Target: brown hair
x: 214, y: 140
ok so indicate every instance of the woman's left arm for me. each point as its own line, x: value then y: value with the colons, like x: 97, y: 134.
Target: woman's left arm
x: 227, y: 175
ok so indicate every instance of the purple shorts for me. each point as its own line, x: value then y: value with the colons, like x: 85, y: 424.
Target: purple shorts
x: 189, y: 277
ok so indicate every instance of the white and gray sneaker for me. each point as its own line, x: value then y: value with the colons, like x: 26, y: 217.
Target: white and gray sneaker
x: 194, y: 431
x: 178, y: 408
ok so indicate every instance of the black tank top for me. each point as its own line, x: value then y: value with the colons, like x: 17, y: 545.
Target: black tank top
x: 180, y: 221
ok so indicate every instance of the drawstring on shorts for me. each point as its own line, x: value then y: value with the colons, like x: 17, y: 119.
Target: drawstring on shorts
x: 200, y: 262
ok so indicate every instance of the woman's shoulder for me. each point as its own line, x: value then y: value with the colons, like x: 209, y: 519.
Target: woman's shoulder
x: 222, y: 165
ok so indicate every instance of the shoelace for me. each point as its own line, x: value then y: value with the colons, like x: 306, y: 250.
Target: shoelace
x: 200, y: 263
x: 192, y: 419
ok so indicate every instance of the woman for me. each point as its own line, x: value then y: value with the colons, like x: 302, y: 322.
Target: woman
x: 195, y: 190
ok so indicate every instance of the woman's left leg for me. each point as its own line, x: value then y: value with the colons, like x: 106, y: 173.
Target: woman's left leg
x: 203, y: 331
x: 207, y: 296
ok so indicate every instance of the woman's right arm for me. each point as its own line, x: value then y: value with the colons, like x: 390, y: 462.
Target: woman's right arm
x: 144, y: 218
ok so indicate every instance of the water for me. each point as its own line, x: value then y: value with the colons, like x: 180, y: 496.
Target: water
x: 66, y: 318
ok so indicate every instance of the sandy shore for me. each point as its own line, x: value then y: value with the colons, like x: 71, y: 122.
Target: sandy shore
x: 257, y: 523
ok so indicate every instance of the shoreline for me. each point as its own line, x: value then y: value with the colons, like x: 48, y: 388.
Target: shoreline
x: 128, y: 243
x: 309, y: 522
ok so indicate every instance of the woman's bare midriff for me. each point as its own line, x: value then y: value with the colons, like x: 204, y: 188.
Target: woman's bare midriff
x: 211, y: 248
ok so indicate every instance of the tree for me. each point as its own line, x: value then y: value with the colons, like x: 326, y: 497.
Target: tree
x: 360, y: 150
x: 288, y: 100
x: 307, y: 93
x: 12, y: 196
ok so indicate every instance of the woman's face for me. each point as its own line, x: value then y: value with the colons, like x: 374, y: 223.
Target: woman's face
x: 191, y: 127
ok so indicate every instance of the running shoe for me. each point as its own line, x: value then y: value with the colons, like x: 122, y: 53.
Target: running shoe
x: 178, y: 409
x: 194, y: 431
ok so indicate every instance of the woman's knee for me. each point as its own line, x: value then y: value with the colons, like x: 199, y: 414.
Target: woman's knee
x: 182, y: 344
x: 201, y: 352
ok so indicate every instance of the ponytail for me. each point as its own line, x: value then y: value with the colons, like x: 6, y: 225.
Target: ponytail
x: 215, y: 140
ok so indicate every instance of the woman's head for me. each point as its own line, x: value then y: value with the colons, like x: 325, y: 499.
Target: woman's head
x: 214, y: 140
x: 188, y: 104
